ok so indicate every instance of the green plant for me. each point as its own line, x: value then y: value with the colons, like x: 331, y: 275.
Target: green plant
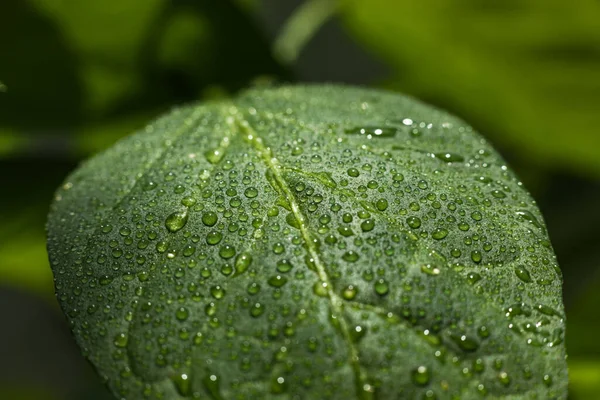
x: 309, y: 242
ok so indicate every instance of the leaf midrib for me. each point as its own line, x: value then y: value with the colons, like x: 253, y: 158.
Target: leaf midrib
x: 242, y: 126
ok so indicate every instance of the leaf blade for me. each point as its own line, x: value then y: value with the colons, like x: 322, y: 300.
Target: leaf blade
x: 308, y: 193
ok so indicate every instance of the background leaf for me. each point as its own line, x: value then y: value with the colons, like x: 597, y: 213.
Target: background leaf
x: 107, y: 61
x: 526, y: 72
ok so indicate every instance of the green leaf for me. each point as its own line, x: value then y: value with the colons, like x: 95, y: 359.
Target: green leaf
x: 584, y: 379
x: 310, y: 242
x: 88, y: 64
x: 527, y: 72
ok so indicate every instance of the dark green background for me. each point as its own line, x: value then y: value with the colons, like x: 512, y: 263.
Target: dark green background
x: 78, y: 75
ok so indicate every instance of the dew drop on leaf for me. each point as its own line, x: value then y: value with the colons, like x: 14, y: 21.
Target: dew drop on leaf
x: 176, y: 221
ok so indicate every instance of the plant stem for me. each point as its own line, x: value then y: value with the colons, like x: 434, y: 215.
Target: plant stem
x: 301, y: 27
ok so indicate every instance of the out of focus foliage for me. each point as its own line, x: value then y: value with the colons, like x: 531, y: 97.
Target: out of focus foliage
x: 100, y: 68
x: 528, y: 72
x: 77, y: 75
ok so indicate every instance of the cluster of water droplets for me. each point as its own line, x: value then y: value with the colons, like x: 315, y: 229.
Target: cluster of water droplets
x: 270, y: 253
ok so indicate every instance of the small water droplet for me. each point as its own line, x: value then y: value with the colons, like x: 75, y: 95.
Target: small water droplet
x: 381, y: 287
x: 439, y: 233
x: 278, y: 385
x: 242, y: 262
x: 476, y: 256
x: 182, y: 314
x: 277, y: 281
x: 413, y: 222
x: 217, y: 292
x: 381, y: 204
x: 209, y: 218
x: 449, y: 157
x: 504, y: 378
x: 350, y: 256
x: 523, y: 274
x: 466, y: 343
x: 183, y: 384
x: 320, y: 289
x: 214, y: 237
x: 214, y: 156
x: 353, y: 172
x: 420, y: 376
x: 251, y: 192
x: 227, y: 251
x: 211, y: 384
x: 372, y: 131
x: 476, y: 215
x: 499, y: 194
x: 357, y: 333
x: 349, y: 292
x: 367, y: 225
x: 176, y: 221
x: 284, y: 266
x: 528, y: 216
x: 120, y: 340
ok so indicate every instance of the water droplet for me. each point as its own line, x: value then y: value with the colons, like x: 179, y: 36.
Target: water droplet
x: 210, y: 309
x: 345, y: 231
x: 217, y: 292
x: 371, y: 131
x: 227, y: 251
x: 242, y: 262
x: 528, y: 216
x: 476, y: 256
x: 350, y: 256
x: 430, y: 270
x: 278, y: 385
x: 349, y: 292
x: 182, y: 314
x: 353, y: 172
x: 499, y: 194
x: 439, y: 233
x: 504, y: 378
x: 209, y: 218
x: 214, y: 156
x: 257, y: 310
x: 381, y: 287
x: 292, y: 221
x: 320, y: 289
x: 211, y: 384
x: 476, y: 215
x: 183, y: 384
x: 547, y: 310
x: 214, y: 237
x: 466, y: 343
x: 449, y: 157
x: 251, y: 192
x: 420, y: 376
x: 398, y: 177
x: 284, y: 266
x: 357, y: 333
x: 277, y: 281
x: 473, y: 278
x: 413, y: 222
x: 176, y: 221
x: 523, y: 274
x: 367, y: 225
x: 278, y: 248
x: 120, y: 340
x: 297, y: 150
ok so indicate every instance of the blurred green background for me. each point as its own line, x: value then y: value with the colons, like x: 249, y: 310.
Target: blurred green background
x: 77, y: 75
